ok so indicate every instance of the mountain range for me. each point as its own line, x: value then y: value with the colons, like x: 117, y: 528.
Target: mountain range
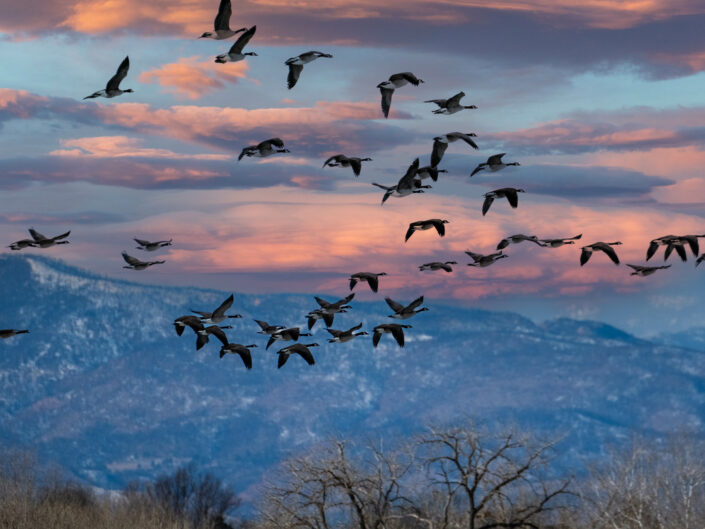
x: 105, y: 387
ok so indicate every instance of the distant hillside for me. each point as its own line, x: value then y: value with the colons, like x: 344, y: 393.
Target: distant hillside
x: 104, y: 385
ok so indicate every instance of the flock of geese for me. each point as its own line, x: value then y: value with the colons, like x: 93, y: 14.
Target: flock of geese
x: 207, y: 324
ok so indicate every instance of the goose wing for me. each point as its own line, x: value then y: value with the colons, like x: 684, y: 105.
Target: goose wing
x: 353, y: 282
x: 651, y: 250
x: 610, y: 253
x: 446, y: 267
x: 218, y: 333
x: 283, y: 357
x: 585, y: 256
x: 115, y: 80
x: 294, y: 73
x: 386, y: 100
x: 246, y: 150
x: 322, y: 302
x: 475, y: 256
x: 201, y: 340
x: 439, y: 149
x: 486, y: 205
x: 242, y: 41
x: 373, y: 281
x: 335, y: 332
x: 440, y: 227
x: 693, y: 243
x: 376, y: 335
x: 262, y: 324
x: 271, y: 340
x: 246, y: 356
x: 277, y: 142
x: 466, y: 138
x: 142, y: 242
x: 456, y: 98
x: 38, y: 237
x: 477, y: 169
x: 636, y: 268
x: 222, y: 19
x: 495, y: 159
x: 512, y: 197
x: 62, y: 236
x: 417, y: 302
x: 305, y: 353
x: 410, y: 77
x: 407, y: 181
x: 337, y: 158
x: 224, y: 306
x: 398, y: 333
x: 440, y: 102
x: 356, y: 165
x: 132, y: 261
x: 396, y: 307
x: 328, y: 319
x: 410, y: 231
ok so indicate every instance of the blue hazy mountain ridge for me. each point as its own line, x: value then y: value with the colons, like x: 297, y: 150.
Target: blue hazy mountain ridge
x: 103, y: 385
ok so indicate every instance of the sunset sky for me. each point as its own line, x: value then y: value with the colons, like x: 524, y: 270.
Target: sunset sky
x: 602, y: 102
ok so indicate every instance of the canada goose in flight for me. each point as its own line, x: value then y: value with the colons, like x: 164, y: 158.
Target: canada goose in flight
x: 406, y: 186
x: 679, y: 247
x: 296, y: 65
x: 299, y: 349
x: 239, y: 349
x: 218, y: 314
x: 340, y: 160
x: 659, y: 241
x: 47, y: 242
x: 450, y: 105
x: 286, y: 335
x: 437, y: 265
x: 345, y: 336
x: 483, y: 261
x: 264, y: 149
x: 605, y: 247
x: 440, y: 144
x: 235, y: 53
x: 510, y: 193
x: 494, y: 163
x: 338, y: 306
x: 112, y: 89
x: 401, y: 312
x: 370, y: 278
x: 692, y: 241
x: 439, y: 224
x: 9, y: 333
x: 22, y: 244
x: 516, y: 239
x: 266, y: 328
x: 429, y: 171
x: 189, y: 320
x: 215, y: 330
x: 699, y: 260
x: 557, y: 243
x: 221, y: 23
x: 135, y: 264
x: 151, y: 246
x: 395, y: 81
x: 395, y: 329
x: 643, y: 271
x: 319, y: 314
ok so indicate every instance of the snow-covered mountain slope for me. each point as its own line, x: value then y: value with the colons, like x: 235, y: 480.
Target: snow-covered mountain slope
x: 103, y: 385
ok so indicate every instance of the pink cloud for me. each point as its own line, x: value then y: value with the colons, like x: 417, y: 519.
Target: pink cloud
x: 190, y: 78
x: 121, y: 147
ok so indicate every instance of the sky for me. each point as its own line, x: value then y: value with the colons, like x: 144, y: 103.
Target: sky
x: 602, y: 102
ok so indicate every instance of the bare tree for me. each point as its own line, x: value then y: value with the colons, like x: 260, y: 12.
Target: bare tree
x: 483, y: 481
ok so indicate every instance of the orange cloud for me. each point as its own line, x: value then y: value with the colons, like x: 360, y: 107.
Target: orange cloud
x: 191, y: 79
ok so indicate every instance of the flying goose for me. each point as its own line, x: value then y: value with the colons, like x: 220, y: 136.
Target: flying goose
x: 406, y: 186
x: 605, y: 247
x: 700, y: 260
x: 370, y: 278
x: 264, y: 149
x: 296, y: 65
x: 440, y: 144
x: 235, y: 53
x: 340, y: 160
x: 221, y: 23
x: 437, y: 265
x: 22, y: 244
x: 439, y: 224
x: 429, y: 172
x: 659, y: 241
x: 189, y: 320
x: 218, y: 314
x: 345, y: 336
x: 395, y: 329
x: 286, y: 335
x: 338, y: 306
x: 112, y: 89
x: 510, y: 193
x: 47, y: 242
x: 643, y: 271
x: 395, y: 81
x: 239, y: 349
x: 135, y: 264
x: 319, y: 314
x: 299, y: 349
x: 215, y: 330
x: 151, y: 246
x: 450, y: 105
x: 557, y: 243
x: 494, y: 163
x: 266, y: 328
x: 9, y: 333
x: 483, y: 261
x: 401, y: 312
x: 692, y: 241
x: 516, y: 239
x: 679, y: 247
